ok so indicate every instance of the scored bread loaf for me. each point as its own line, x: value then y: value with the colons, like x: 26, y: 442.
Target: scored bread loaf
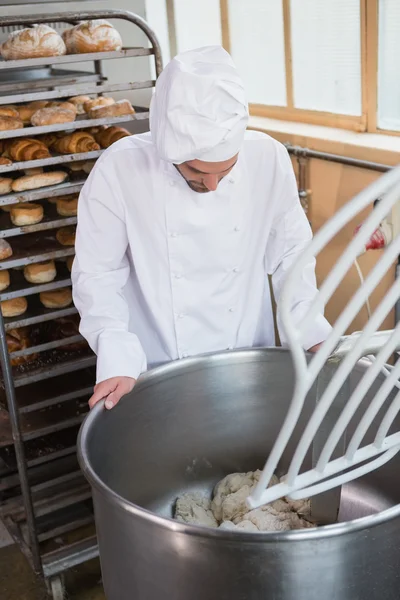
x: 26, y: 111
x: 28, y: 149
x: 92, y: 36
x: 26, y: 213
x: 52, y: 115
x: 118, y: 109
x: 32, y: 182
x: 78, y: 102
x: 79, y: 141
x: 33, y: 42
x: 5, y: 249
x: 4, y: 280
x: 94, y: 102
x: 108, y: 136
x: 67, y: 105
x: 10, y: 123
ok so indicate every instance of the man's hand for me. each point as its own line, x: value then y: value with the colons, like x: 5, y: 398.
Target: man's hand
x: 112, y: 390
x: 315, y: 348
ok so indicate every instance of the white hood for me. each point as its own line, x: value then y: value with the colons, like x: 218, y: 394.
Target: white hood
x: 199, y: 109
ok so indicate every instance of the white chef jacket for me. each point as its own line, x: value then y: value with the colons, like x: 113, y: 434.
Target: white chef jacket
x: 162, y: 272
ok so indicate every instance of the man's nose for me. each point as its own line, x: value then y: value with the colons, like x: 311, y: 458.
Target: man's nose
x: 211, y: 182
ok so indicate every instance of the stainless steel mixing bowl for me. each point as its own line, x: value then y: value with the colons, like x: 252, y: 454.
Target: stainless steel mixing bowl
x: 185, y: 426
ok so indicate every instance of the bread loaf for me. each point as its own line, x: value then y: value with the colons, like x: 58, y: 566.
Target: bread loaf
x: 17, y: 340
x: 95, y: 102
x: 5, y: 185
x: 108, y: 136
x: 70, y: 260
x: 79, y: 141
x: 92, y: 36
x: 66, y: 235
x: 78, y: 102
x: 118, y: 109
x: 40, y: 272
x: 34, y: 171
x: 4, y: 280
x: 14, y: 307
x: 9, y: 111
x: 32, y: 182
x: 26, y: 111
x: 26, y: 213
x: 5, y: 249
x: 28, y: 149
x: 56, y: 298
x: 34, y: 42
x: 67, y: 208
x: 52, y: 115
x: 10, y: 123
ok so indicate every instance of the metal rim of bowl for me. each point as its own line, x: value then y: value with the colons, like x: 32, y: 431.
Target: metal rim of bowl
x: 170, y: 369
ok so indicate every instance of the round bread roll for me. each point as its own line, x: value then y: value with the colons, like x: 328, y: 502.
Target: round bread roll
x: 5, y: 162
x: 32, y: 182
x: 33, y: 42
x: 92, y: 36
x: 95, y: 102
x: 51, y: 116
x: 79, y: 101
x: 26, y: 213
x: 40, y: 272
x: 8, y: 123
x: 5, y: 249
x: 9, y: 111
x: 5, y: 185
x: 70, y: 260
x: 66, y: 235
x: 4, y: 280
x: 14, y: 307
x: 56, y: 298
x: 67, y: 207
x: 55, y: 199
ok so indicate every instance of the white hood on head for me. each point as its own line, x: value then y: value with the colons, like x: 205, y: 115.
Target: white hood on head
x: 199, y: 109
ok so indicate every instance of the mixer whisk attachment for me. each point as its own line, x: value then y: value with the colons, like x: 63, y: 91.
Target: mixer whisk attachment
x: 342, y: 353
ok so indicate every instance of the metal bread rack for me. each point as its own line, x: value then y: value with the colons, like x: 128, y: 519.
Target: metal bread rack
x: 44, y: 500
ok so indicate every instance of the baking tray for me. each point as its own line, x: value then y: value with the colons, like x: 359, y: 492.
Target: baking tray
x: 33, y: 248
x: 51, y: 220
x: 59, y: 159
x: 37, y: 313
x: 42, y: 78
x: 46, y: 368
x: 20, y: 287
x: 79, y: 123
x: 77, y: 89
x: 50, y: 191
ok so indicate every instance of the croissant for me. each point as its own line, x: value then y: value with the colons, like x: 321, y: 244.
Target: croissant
x: 80, y: 141
x: 48, y: 139
x: 28, y: 149
x: 110, y: 135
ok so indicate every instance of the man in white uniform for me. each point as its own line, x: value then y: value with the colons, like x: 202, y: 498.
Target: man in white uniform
x: 179, y: 228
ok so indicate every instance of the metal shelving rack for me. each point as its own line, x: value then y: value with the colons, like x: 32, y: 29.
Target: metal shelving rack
x: 43, y: 494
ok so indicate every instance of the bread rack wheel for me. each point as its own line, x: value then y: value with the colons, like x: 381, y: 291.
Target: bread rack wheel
x: 55, y: 587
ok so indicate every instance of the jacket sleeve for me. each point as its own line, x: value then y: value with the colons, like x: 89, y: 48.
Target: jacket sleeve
x: 290, y: 234
x: 99, y: 273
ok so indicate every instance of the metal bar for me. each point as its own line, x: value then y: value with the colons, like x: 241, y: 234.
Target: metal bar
x: 337, y: 158
x: 48, y: 346
x: 57, y: 400
x: 55, y: 78
x: 52, y: 456
x: 42, y: 226
x: 15, y: 531
x: 78, y: 124
x: 47, y: 315
x: 51, y: 191
x: 58, y: 561
x: 59, y: 426
x: 22, y: 288
x: 47, y: 162
x: 61, y: 369
x: 70, y: 525
x: 29, y: 260
x: 19, y: 447
x: 76, y: 89
x: 71, y: 58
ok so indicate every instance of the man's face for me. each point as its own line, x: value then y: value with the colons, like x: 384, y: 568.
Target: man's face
x: 203, y: 176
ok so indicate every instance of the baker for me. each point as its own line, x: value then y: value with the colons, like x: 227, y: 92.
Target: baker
x: 179, y: 228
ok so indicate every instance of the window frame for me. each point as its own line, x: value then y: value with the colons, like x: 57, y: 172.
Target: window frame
x: 367, y: 121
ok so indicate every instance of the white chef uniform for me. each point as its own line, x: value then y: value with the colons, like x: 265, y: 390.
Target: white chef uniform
x: 163, y: 272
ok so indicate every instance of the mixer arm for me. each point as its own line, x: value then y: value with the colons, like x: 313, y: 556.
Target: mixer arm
x: 375, y: 343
